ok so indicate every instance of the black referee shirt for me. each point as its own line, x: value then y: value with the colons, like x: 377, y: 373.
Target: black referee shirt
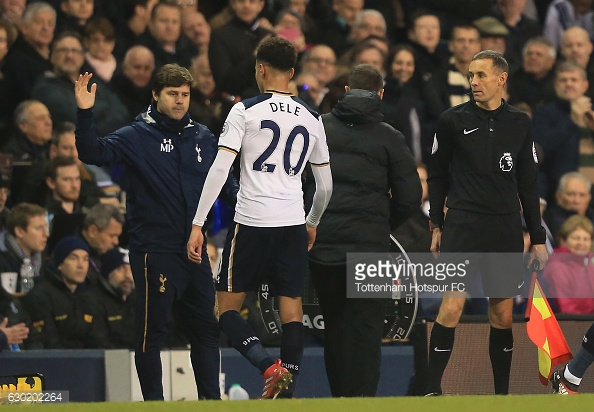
x: 483, y: 161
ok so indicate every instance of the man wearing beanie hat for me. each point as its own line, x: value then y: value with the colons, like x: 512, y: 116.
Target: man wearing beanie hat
x: 63, y: 308
x: 117, y: 298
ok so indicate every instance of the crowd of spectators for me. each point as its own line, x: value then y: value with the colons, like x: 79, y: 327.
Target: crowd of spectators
x: 422, y: 47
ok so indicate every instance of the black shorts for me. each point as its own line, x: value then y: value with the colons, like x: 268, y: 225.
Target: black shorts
x: 273, y: 255
x: 496, y: 244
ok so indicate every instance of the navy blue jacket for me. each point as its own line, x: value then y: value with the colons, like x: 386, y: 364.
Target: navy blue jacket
x: 167, y: 169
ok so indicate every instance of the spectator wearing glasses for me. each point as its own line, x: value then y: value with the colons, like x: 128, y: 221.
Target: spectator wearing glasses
x: 56, y: 89
x: 320, y: 61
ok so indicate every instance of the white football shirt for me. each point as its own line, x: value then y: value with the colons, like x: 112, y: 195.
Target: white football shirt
x: 276, y: 134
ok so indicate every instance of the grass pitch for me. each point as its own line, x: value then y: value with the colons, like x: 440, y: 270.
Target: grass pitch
x: 485, y: 403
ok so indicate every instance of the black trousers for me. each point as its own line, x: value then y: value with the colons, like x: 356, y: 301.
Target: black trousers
x: 353, y: 330
x: 162, y: 279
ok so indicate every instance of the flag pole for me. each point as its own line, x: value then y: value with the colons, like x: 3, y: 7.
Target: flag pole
x: 534, y: 266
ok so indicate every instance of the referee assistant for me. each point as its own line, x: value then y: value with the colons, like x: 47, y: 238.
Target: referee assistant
x: 483, y: 161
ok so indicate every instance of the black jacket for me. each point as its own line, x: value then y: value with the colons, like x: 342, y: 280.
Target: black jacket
x: 11, y: 308
x: 136, y: 99
x: 231, y: 56
x: 23, y: 67
x: 185, y: 50
x: 65, y: 320
x: 369, y: 159
x: 117, y: 315
x: 483, y: 162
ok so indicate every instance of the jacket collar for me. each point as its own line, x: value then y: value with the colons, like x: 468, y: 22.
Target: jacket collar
x: 153, y: 117
x: 483, y: 114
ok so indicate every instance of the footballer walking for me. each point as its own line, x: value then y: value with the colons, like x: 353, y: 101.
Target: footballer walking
x: 276, y: 134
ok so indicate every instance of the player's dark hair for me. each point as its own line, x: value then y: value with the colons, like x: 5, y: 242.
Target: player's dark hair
x: 497, y: 59
x: 278, y: 53
x: 366, y: 77
x: 171, y: 75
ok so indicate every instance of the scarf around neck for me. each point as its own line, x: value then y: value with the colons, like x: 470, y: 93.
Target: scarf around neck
x: 14, y: 249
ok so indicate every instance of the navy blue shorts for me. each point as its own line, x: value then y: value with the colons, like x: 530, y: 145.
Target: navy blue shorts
x: 497, y: 241
x: 273, y: 255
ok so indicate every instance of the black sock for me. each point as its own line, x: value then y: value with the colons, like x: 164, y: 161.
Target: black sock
x: 243, y: 338
x: 501, y: 345
x: 441, y: 344
x: 292, y: 353
x: 585, y: 356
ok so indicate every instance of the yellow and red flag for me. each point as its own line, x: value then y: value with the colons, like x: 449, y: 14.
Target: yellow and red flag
x: 544, y: 331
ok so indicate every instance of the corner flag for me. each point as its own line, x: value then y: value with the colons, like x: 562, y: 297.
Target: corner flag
x: 544, y: 331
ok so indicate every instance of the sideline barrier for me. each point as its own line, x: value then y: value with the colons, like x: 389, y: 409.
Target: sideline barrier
x: 96, y: 375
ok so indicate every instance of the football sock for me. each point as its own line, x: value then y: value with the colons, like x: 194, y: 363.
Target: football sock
x: 292, y: 353
x: 501, y: 345
x: 441, y: 344
x: 570, y: 377
x: 245, y: 340
x: 582, y: 360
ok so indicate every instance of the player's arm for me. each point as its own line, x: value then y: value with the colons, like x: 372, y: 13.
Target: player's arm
x: 321, y: 197
x: 320, y: 167
x: 229, y: 145
x: 91, y: 149
x: 216, y: 178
